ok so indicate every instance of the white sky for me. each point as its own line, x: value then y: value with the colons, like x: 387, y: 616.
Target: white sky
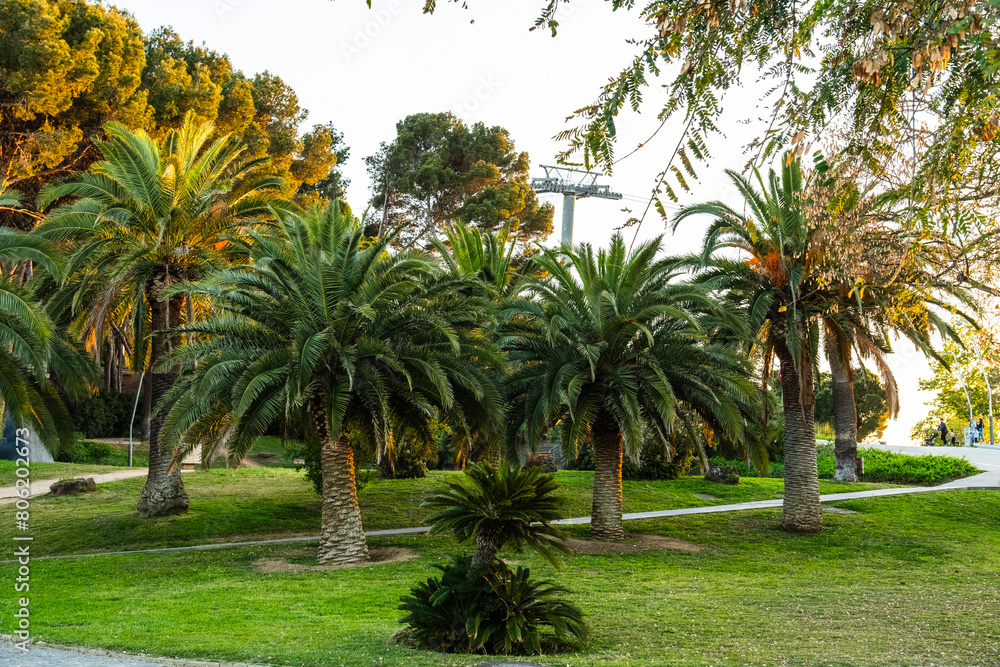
x: 364, y: 70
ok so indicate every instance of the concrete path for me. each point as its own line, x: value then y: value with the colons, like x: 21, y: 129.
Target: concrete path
x: 8, y: 494
x: 46, y: 655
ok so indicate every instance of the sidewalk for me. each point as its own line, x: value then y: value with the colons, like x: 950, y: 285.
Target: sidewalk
x: 42, y: 654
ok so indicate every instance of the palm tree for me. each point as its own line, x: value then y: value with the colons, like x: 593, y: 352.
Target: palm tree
x: 489, y: 257
x: 775, y: 284
x: 360, y: 340
x: 503, y: 506
x: 31, y: 347
x: 489, y: 261
x: 607, y: 344
x: 144, y: 218
x: 861, y: 322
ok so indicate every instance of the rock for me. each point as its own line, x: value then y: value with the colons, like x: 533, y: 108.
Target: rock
x: 71, y: 487
x: 722, y: 475
x: 545, y: 461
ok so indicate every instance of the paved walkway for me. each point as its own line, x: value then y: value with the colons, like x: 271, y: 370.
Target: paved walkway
x: 45, y: 655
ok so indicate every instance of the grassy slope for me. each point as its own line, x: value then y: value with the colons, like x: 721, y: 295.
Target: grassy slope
x: 911, y: 580
x: 249, y: 503
x: 53, y: 471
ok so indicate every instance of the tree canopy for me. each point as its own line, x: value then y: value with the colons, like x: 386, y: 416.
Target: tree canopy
x: 69, y: 67
x: 438, y: 172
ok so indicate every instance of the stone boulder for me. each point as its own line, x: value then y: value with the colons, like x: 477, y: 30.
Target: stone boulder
x: 71, y: 487
x: 722, y: 475
x: 545, y: 461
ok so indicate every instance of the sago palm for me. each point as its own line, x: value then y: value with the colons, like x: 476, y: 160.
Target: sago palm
x: 497, y: 507
x: 607, y: 343
x: 145, y: 217
x: 359, y: 339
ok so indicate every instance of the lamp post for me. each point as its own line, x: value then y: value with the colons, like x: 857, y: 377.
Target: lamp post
x: 989, y: 390
x: 961, y: 383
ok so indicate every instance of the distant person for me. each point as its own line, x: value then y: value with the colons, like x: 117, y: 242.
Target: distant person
x: 982, y: 433
x: 943, y: 430
x: 952, y: 437
x: 974, y: 432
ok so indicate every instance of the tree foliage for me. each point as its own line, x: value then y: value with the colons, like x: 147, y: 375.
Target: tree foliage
x: 438, y: 172
x: 950, y: 401
x: 69, y: 67
x: 911, y: 82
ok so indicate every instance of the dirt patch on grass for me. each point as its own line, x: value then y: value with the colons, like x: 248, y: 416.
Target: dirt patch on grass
x: 377, y: 556
x: 634, y: 544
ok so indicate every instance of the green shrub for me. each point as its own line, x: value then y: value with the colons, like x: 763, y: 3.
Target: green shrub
x: 654, y: 463
x: 406, y: 462
x: 100, y: 453
x: 890, y: 467
x: 105, y: 415
x: 826, y: 461
x: 493, y: 611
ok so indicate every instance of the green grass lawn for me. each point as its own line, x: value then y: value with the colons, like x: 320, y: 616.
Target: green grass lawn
x: 41, y: 471
x: 908, y: 581
x: 262, y: 503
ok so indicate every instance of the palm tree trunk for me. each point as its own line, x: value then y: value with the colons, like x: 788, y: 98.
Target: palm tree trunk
x: 606, y: 514
x: 802, y: 512
x: 487, y: 545
x: 845, y: 415
x: 164, y: 491
x: 342, y: 537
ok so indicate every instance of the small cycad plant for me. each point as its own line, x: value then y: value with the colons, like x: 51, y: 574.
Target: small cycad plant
x: 479, y: 604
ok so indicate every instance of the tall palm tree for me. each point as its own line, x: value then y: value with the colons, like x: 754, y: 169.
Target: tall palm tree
x: 606, y: 343
x: 361, y: 340
x: 774, y: 282
x: 860, y: 325
x: 144, y: 218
